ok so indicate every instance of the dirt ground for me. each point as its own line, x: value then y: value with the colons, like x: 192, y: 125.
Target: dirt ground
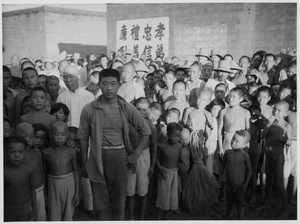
x: 217, y: 212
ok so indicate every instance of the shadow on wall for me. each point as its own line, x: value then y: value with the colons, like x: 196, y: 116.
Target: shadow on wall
x: 83, y: 50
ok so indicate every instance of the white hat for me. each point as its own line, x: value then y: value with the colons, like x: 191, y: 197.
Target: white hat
x: 204, y: 51
x: 224, y: 66
x: 235, y: 66
x: 141, y: 67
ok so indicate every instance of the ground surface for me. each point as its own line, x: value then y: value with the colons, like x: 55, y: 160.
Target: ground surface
x: 218, y: 211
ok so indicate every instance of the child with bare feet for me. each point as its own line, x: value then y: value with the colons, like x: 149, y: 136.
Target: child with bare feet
x: 60, y: 163
x: 19, y: 190
x: 238, y: 172
x: 168, y: 154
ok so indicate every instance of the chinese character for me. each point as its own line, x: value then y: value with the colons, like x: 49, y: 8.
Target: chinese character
x: 136, y: 50
x: 147, y: 35
x: 147, y: 51
x: 135, y: 32
x: 159, y: 31
x: 160, y: 51
x: 122, y: 49
x: 123, y: 33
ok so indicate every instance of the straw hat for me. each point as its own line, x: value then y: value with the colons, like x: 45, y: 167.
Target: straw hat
x: 216, y: 51
x: 141, y: 67
x: 203, y: 52
x: 235, y: 66
x: 224, y: 66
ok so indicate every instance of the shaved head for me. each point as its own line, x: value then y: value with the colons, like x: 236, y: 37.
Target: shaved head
x: 24, y: 128
x: 57, y: 124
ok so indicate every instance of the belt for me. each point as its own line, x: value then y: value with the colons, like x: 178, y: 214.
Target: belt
x: 114, y: 147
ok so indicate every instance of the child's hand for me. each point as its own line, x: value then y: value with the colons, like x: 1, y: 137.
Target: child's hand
x: 283, y: 138
x: 221, y: 152
x: 83, y: 171
x: 76, y: 199
x: 132, y: 158
x: 150, y: 172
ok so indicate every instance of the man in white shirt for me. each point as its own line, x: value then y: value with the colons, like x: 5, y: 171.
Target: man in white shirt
x: 75, y: 98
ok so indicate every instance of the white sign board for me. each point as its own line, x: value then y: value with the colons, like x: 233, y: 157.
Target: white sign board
x: 144, y: 36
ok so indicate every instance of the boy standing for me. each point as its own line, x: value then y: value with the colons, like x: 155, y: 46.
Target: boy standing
x: 63, y: 178
x: 19, y: 191
x: 278, y: 135
x: 168, y: 155
x: 238, y: 172
x: 231, y: 119
x: 37, y: 114
x: 34, y: 160
x: 138, y: 182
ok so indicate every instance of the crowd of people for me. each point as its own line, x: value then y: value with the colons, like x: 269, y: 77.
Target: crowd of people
x: 112, y: 132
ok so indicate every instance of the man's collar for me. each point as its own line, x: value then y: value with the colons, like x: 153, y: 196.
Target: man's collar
x: 98, y: 103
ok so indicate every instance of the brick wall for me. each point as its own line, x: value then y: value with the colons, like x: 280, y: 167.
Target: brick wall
x: 23, y: 34
x: 47, y: 31
x: 237, y: 28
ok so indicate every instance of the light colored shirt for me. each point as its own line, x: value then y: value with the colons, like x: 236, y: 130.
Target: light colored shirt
x: 75, y: 101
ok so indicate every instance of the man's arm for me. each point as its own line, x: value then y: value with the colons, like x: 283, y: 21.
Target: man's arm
x: 153, y: 150
x: 133, y: 157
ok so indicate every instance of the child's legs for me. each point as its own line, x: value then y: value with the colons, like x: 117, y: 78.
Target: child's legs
x: 278, y: 178
x: 239, y: 201
x: 68, y: 213
x: 269, y: 168
x: 229, y: 199
x: 253, y: 181
x: 87, y: 193
x: 41, y: 207
x: 209, y: 163
x: 142, y: 205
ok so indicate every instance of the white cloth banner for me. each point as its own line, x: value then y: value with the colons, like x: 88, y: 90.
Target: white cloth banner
x: 144, y: 36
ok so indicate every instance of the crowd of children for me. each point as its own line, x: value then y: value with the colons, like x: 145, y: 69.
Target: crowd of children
x: 219, y: 129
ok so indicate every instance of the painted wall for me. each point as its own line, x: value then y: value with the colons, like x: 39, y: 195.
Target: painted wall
x: 237, y: 28
x: 47, y: 31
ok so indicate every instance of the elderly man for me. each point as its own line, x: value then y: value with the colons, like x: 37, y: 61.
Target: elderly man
x: 129, y: 89
x: 107, y: 123
x: 75, y: 98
